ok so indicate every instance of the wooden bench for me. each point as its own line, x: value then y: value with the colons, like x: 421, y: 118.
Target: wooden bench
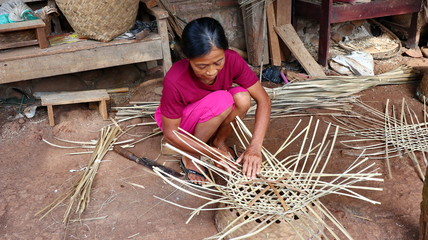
x: 38, y: 26
x: 61, y: 59
x: 63, y: 98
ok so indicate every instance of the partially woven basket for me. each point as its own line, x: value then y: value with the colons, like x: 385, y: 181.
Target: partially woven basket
x: 280, y: 229
x: 100, y: 20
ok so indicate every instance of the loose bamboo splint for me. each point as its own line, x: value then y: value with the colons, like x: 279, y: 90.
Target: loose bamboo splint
x: 79, y: 195
x: 287, y: 192
x: 386, y: 135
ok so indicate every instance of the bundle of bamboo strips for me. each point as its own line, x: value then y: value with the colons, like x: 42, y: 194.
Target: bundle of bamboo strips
x: 285, y: 189
x: 79, y: 195
x: 386, y: 135
x: 335, y: 93
x: 332, y: 92
x: 138, y: 110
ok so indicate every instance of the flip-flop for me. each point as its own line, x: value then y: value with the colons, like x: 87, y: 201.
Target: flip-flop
x: 187, y: 171
x: 235, y: 156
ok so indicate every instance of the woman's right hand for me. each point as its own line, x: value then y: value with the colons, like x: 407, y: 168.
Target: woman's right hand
x: 225, y: 164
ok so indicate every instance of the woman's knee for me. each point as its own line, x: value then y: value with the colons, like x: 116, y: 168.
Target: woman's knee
x: 242, y: 101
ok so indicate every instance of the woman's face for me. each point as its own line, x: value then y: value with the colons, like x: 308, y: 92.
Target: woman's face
x: 209, y: 65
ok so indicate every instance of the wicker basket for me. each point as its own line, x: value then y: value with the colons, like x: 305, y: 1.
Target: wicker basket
x: 277, y: 230
x: 99, y: 20
x: 392, y: 51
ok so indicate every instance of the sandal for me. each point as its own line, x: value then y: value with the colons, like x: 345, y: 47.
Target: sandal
x: 235, y: 156
x: 187, y: 171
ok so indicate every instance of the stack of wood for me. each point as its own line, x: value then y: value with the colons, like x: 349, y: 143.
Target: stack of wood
x: 273, y: 18
x: 174, y: 23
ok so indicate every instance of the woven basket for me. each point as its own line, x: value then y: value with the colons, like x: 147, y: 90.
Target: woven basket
x: 277, y: 230
x: 101, y: 20
x: 379, y: 54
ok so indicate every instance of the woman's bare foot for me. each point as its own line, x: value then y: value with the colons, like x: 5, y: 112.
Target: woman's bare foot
x: 191, y: 170
x: 222, y: 146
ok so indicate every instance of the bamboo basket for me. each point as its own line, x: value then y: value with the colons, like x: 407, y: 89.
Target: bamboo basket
x: 99, y: 20
x: 280, y: 229
x: 378, y: 54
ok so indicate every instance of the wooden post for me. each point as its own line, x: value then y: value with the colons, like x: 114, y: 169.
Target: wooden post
x: 254, y: 31
x: 274, y: 49
x: 42, y: 39
x: 161, y: 18
x: 413, y: 32
x: 324, y: 32
x: 284, y: 9
x: 51, y: 115
x: 102, y: 107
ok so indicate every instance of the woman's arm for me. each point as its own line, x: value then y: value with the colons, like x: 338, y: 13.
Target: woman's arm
x: 252, y: 157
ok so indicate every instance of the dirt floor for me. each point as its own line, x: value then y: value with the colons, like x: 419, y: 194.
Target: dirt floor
x: 123, y: 203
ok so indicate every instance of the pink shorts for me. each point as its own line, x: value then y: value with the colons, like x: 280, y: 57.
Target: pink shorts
x: 204, y: 109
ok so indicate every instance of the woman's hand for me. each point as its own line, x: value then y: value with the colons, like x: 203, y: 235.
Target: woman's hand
x: 251, y: 162
x: 223, y: 163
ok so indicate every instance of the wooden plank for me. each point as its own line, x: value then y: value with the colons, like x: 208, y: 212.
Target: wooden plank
x: 374, y: 9
x: 291, y: 39
x: 359, y: 11
x: 75, y: 97
x: 158, y: 12
x: 38, y: 95
x: 32, y: 52
x: 77, y: 61
x: 18, y: 44
x: 25, y: 25
x: 26, y: 1
x: 275, y: 51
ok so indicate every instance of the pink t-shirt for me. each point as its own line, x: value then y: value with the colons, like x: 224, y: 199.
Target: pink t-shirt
x: 181, y: 87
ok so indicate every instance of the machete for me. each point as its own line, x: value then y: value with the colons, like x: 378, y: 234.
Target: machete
x: 145, y: 161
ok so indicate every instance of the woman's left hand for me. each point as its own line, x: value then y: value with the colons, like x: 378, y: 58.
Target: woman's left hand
x: 251, y: 162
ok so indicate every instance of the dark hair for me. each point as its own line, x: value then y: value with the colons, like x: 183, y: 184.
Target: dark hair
x: 201, y: 35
